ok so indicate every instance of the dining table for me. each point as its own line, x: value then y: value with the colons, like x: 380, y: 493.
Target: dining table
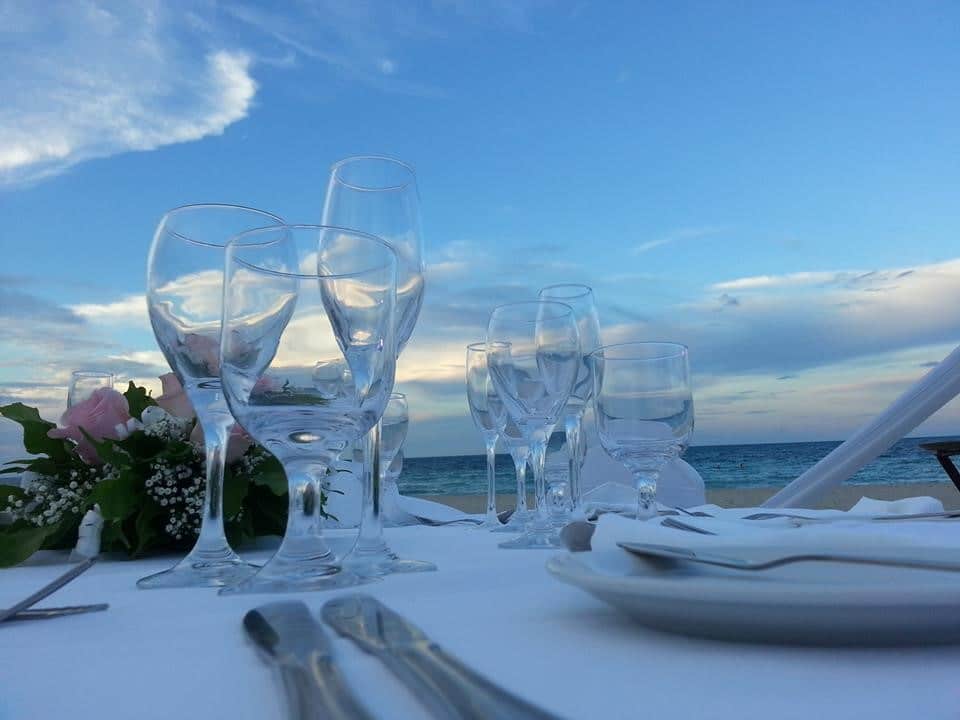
x: 183, y: 653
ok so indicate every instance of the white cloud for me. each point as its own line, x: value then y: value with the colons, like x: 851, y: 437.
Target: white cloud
x: 687, y: 233
x: 129, y: 310
x: 82, y: 81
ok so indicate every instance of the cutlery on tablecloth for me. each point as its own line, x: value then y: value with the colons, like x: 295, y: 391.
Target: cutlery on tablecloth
x: 672, y: 522
x: 291, y: 638
x: 54, y: 612
x: 47, y: 589
x: 449, y: 689
x: 681, y: 554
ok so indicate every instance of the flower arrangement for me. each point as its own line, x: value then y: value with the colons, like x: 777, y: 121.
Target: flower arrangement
x: 141, y: 461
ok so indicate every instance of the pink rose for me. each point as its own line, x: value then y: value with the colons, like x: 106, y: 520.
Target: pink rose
x: 204, y: 351
x: 173, y: 399
x: 103, y: 415
x: 237, y: 444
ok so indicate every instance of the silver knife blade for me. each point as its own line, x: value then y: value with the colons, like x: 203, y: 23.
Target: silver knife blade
x: 449, y: 689
x: 287, y: 632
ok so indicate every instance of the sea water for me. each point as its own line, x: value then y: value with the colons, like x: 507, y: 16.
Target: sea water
x: 722, y: 466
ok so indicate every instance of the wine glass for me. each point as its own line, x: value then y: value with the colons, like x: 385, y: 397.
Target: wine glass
x: 481, y: 397
x: 308, y: 365
x: 379, y: 195
x: 644, y: 409
x: 184, y: 299
x: 519, y: 450
x: 580, y: 298
x: 533, y: 354
x: 83, y: 383
x: 394, y: 425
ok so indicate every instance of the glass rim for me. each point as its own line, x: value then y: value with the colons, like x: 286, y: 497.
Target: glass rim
x: 567, y: 311
x: 232, y: 243
x: 397, y: 396
x: 480, y: 346
x: 677, y: 350
x: 92, y: 373
x: 335, y: 174
x: 218, y: 206
x: 585, y: 290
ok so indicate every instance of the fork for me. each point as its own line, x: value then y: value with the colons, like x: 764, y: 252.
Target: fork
x: 670, y: 552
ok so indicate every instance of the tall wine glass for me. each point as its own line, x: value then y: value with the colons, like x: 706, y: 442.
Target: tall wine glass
x: 519, y: 449
x: 644, y: 409
x: 580, y: 298
x: 308, y: 366
x: 379, y: 195
x: 483, y: 403
x: 533, y: 353
x: 83, y: 383
x: 184, y: 299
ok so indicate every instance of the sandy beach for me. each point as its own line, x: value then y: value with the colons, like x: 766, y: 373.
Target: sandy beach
x: 841, y: 499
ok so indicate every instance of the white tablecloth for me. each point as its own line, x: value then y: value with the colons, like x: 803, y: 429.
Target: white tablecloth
x: 183, y: 654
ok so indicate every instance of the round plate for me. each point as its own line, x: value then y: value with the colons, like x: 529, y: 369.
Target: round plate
x: 806, y: 603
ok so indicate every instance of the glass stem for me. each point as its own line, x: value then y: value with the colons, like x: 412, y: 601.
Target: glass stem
x: 371, y: 519
x: 521, y: 467
x: 538, y: 455
x: 212, y: 543
x: 303, y: 537
x: 575, y: 452
x: 492, y: 481
x: 646, y: 482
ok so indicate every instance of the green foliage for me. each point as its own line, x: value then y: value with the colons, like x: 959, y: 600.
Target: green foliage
x: 254, y: 494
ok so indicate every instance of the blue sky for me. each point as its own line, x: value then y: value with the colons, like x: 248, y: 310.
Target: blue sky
x: 775, y: 184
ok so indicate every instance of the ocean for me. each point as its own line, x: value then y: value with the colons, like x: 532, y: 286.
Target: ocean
x: 721, y: 466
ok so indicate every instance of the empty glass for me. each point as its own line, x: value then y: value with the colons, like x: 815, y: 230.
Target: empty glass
x: 533, y: 355
x: 580, y: 298
x: 483, y: 402
x: 308, y: 365
x: 83, y: 383
x: 184, y: 299
x: 519, y: 449
x: 644, y: 409
x: 379, y: 195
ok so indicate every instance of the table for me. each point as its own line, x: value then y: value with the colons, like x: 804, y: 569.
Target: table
x: 943, y: 451
x: 182, y: 653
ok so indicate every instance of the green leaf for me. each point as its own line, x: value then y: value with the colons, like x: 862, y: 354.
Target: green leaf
x: 269, y: 473
x: 107, y: 449
x: 5, y: 471
x: 138, y: 400
x: 8, y: 490
x: 140, y: 445
x: 20, y: 541
x: 113, y: 537
x: 146, y: 526
x: 35, y: 430
x: 118, y: 496
x: 234, y: 493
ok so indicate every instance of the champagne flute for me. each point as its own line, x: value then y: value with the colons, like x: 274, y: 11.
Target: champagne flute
x: 308, y: 366
x: 580, y: 298
x: 644, y: 409
x: 184, y: 299
x: 481, y: 397
x: 378, y: 195
x: 533, y: 354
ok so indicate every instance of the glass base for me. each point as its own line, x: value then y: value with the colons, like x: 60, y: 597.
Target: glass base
x: 535, y: 539
x: 516, y: 524
x: 490, y: 523
x: 380, y: 560
x: 283, y: 574
x: 196, y: 570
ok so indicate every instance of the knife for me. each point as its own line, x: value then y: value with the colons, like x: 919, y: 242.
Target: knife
x: 449, y: 689
x: 288, y: 634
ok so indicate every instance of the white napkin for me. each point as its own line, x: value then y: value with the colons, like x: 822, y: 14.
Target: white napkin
x: 609, y: 485
x: 759, y: 538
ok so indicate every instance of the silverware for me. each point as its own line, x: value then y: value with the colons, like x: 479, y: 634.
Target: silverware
x: 672, y: 522
x: 52, y: 612
x: 449, y: 689
x: 910, y: 516
x: 288, y: 634
x: 670, y: 552
x: 47, y: 589
x: 440, y: 523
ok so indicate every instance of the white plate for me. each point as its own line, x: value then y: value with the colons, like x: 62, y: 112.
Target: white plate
x: 807, y: 603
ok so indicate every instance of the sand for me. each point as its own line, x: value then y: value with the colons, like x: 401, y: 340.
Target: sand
x: 841, y: 499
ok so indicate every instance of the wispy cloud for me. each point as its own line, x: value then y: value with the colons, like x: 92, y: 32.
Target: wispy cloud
x: 682, y: 234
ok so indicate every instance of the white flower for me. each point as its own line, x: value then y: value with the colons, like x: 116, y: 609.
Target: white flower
x: 153, y: 415
x: 28, y: 478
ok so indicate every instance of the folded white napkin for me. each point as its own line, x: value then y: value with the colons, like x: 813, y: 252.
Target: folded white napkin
x: 397, y: 509
x: 609, y: 485
x: 852, y: 531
